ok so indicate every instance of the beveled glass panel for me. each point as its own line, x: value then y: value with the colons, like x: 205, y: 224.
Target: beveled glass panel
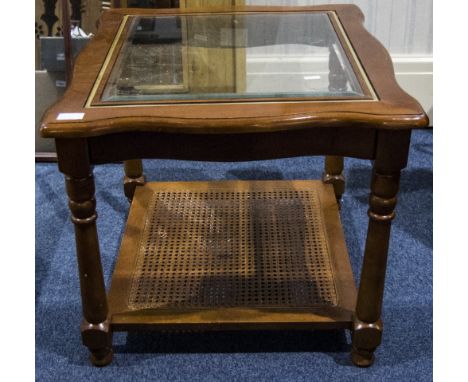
x: 232, y: 56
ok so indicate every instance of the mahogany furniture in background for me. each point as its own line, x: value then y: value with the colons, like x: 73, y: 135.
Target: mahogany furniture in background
x: 233, y: 254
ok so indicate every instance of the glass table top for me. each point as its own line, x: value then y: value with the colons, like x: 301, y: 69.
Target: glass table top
x: 252, y: 56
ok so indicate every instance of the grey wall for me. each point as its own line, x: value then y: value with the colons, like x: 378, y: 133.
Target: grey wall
x: 403, y: 26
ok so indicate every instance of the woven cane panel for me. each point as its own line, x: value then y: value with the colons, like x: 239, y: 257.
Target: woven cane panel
x: 233, y: 249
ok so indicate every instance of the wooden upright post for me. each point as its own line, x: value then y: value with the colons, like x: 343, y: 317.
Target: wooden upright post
x: 391, y: 158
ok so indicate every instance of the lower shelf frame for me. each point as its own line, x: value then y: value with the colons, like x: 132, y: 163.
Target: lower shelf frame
x: 334, y: 314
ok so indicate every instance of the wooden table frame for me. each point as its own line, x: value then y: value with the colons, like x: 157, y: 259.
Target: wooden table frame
x: 379, y: 131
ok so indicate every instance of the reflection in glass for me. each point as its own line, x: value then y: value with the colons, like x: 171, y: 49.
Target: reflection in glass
x: 268, y: 55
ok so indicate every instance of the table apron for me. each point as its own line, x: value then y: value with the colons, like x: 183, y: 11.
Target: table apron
x: 349, y: 142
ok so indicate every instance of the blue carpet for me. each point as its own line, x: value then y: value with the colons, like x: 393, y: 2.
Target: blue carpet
x: 406, y: 351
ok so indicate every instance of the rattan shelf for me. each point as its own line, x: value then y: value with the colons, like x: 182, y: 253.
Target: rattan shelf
x: 233, y: 255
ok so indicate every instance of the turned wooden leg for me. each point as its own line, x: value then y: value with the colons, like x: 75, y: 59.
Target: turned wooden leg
x: 133, y: 177
x: 367, y: 329
x: 334, y: 175
x: 337, y: 82
x: 95, y: 330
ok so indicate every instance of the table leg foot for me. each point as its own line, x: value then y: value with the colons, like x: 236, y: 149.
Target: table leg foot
x: 98, y: 339
x: 101, y: 357
x: 362, y: 357
x: 366, y: 338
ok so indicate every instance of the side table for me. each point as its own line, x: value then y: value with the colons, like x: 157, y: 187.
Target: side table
x: 246, y: 83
